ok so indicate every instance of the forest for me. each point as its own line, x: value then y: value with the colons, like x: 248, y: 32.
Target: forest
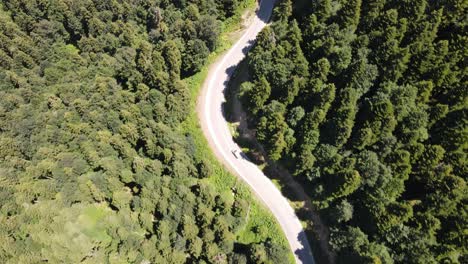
x: 366, y: 104
x: 93, y: 167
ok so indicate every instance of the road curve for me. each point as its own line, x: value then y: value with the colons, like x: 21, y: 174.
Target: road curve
x: 216, y: 130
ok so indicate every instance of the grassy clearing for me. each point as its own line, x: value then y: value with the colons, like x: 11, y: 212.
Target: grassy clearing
x: 259, y: 217
x: 233, y: 23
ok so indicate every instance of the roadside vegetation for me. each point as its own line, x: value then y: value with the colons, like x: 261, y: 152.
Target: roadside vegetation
x: 365, y: 103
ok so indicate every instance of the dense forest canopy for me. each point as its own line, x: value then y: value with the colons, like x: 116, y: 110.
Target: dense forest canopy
x: 92, y: 168
x: 366, y: 103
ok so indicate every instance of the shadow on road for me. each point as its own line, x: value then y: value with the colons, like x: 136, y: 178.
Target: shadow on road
x: 303, y: 254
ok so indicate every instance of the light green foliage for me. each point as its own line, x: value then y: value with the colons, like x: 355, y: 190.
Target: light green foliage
x: 375, y: 103
x: 295, y: 115
x: 74, y: 231
x: 343, y: 212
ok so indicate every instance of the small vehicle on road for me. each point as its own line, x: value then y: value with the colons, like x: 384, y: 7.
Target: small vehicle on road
x: 236, y: 153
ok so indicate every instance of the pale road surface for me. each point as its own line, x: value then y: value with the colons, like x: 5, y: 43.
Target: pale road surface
x: 216, y: 131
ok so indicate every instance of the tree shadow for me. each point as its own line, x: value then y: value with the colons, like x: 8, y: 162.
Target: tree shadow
x: 264, y: 11
x: 249, y: 46
x: 226, y: 106
x: 304, y: 254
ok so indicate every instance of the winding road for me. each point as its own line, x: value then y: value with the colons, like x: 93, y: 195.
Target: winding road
x: 216, y: 130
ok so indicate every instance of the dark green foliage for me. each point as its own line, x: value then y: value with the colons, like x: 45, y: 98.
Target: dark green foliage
x: 195, y: 56
x: 272, y: 129
x: 372, y: 98
x: 256, y: 93
x: 93, y: 168
x: 267, y: 253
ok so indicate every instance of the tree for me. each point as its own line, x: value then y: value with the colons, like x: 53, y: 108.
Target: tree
x: 256, y: 94
x: 195, y: 56
x: 272, y: 129
x: 173, y: 58
x: 295, y: 115
x: 340, y: 127
x: 204, y: 169
x: 342, y: 212
x: 229, y: 7
x: 350, y: 13
x: 346, y: 183
x: 208, y: 30
x: 324, y: 9
x: 284, y: 10
x: 267, y: 253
